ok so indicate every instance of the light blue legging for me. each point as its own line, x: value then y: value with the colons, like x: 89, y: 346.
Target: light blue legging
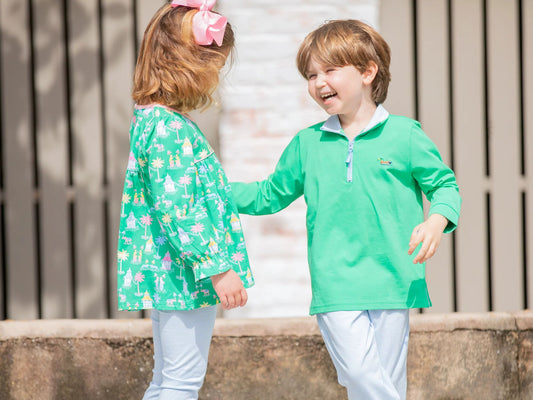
x: 181, y: 347
x: 369, y: 351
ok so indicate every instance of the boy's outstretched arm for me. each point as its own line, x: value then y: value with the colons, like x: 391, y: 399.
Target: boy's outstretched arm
x: 276, y: 192
x: 429, y: 233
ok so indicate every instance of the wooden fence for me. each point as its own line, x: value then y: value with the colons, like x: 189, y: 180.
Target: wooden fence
x: 462, y: 67
x: 66, y: 68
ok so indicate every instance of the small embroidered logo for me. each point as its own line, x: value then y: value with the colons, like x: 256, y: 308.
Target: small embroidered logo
x: 384, y: 162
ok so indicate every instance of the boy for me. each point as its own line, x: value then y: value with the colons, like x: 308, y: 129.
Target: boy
x: 362, y: 173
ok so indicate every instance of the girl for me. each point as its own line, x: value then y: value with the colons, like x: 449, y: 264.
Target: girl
x: 362, y: 173
x: 181, y: 248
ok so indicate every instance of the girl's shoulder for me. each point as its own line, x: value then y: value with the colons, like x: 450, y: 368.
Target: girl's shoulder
x: 149, y: 113
x: 160, y: 120
x: 164, y: 129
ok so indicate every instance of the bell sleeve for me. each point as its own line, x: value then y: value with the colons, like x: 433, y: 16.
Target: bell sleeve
x: 180, y: 204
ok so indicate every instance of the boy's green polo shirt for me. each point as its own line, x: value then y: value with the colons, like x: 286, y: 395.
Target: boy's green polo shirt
x: 364, y: 197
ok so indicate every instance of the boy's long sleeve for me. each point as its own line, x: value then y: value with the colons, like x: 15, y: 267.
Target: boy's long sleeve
x: 277, y: 191
x: 436, y: 180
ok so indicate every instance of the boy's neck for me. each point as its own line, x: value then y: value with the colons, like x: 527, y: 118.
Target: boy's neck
x: 354, y: 123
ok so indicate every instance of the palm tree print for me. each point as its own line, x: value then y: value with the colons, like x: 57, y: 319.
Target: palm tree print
x: 146, y: 220
x: 179, y: 263
x: 238, y: 257
x: 177, y: 126
x: 167, y: 219
x: 184, y: 181
x: 138, y: 278
x: 157, y: 164
x: 160, y: 241
x: 126, y: 198
x: 198, y: 228
x: 122, y: 256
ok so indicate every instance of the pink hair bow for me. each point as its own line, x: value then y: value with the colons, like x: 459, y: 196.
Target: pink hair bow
x: 207, y: 26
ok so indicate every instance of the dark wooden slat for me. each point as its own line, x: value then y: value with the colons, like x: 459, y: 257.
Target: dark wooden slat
x: 399, y: 36
x: 434, y: 114
x: 19, y: 194
x: 118, y: 55
x: 504, y: 131
x: 527, y: 87
x: 52, y: 155
x: 3, y: 264
x: 87, y: 159
x: 145, y: 12
x: 472, y: 249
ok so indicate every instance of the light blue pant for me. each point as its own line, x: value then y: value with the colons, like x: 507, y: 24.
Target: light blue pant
x: 369, y: 351
x: 181, y: 347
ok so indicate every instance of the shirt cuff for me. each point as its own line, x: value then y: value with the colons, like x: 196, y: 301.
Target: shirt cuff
x: 447, y: 212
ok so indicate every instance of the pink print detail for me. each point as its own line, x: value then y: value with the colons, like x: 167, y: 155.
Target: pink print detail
x: 139, y: 277
x: 238, y: 257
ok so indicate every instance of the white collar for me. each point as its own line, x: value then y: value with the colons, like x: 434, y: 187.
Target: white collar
x: 333, y: 124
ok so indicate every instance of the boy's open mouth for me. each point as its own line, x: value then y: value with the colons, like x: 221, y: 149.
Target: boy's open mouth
x: 327, y: 96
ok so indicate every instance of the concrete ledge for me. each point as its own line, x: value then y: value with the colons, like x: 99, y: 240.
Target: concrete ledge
x: 76, y: 328
x: 462, y: 321
x: 451, y: 356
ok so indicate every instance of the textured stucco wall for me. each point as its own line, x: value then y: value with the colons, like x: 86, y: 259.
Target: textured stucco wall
x: 451, y: 356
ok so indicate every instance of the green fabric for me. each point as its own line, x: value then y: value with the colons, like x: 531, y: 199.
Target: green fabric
x: 358, y: 231
x: 179, y: 224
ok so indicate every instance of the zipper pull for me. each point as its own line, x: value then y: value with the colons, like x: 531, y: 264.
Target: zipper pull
x: 350, y: 153
x: 349, y: 162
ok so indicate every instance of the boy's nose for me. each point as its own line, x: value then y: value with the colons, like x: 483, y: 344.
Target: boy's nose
x: 320, y: 82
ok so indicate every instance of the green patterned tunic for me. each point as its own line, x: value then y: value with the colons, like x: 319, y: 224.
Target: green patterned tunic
x: 179, y: 224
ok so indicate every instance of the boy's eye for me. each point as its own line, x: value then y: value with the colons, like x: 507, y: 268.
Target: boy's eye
x: 311, y: 76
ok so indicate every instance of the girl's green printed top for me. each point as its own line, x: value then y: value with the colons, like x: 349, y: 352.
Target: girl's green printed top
x: 364, y: 198
x: 179, y: 224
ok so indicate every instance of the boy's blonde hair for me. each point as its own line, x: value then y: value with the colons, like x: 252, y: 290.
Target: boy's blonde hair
x: 348, y: 42
x: 172, y: 69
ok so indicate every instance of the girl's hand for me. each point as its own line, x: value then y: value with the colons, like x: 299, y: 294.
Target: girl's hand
x: 429, y: 233
x: 230, y: 289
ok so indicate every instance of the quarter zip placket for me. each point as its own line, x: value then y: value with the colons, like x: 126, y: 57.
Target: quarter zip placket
x: 333, y: 125
x: 349, y: 161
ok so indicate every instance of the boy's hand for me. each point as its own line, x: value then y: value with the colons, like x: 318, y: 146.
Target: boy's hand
x: 429, y: 233
x: 230, y: 289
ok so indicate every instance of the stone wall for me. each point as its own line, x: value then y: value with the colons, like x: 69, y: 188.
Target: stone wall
x: 451, y: 356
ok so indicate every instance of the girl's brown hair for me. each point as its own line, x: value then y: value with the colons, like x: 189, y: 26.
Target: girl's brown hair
x: 348, y: 42
x: 172, y: 69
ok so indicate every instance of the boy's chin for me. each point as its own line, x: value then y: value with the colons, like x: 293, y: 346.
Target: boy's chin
x: 329, y: 110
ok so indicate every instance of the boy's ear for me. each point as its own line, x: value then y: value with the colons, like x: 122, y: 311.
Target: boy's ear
x: 370, y: 74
